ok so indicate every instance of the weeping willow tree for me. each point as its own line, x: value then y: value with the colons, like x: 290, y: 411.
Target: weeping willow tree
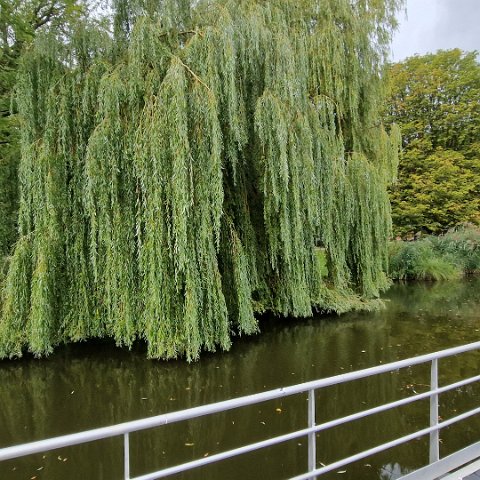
x: 181, y: 174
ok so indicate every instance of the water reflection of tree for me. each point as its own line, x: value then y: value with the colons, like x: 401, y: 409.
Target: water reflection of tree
x: 111, y: 385
x: 437, y: 298
x: 109, y: 389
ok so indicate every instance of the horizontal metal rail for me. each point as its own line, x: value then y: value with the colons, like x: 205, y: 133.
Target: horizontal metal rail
x: 124, y: 429
x: 387, y: 445
x: 448, y: 464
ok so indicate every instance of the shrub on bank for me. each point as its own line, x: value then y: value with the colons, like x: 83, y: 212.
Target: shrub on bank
x: 462, y: 245
x: 437, y: 258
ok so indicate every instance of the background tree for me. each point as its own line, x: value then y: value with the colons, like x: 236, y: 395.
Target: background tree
x: 435, y: 99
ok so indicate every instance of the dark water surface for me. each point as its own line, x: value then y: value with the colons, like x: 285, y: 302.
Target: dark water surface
x: 85, y: 386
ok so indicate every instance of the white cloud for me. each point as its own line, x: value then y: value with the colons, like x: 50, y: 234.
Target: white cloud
x: 437, y: 24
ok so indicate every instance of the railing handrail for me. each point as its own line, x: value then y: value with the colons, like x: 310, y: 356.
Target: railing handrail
x: 222, y: 406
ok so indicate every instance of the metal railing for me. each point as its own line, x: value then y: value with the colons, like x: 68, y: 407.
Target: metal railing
x: 125, y: 429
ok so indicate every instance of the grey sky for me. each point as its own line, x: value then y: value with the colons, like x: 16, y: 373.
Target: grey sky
x: 437, y: 24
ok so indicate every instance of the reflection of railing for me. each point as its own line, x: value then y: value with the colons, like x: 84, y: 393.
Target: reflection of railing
x: 436, y: 467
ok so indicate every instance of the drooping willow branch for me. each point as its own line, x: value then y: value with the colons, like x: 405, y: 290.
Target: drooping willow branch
x: 170, y: 189
x: 194, y: 75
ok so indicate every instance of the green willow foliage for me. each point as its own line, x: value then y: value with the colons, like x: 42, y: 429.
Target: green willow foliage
x: 179, y: 177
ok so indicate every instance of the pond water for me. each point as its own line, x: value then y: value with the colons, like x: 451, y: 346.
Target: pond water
x: 91, y: 385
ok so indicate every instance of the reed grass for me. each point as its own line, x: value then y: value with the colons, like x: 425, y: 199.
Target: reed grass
x: 443, y: 257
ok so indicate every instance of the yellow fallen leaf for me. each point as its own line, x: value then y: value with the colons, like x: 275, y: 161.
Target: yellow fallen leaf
x: 278, y: 410
x: 189, y: 444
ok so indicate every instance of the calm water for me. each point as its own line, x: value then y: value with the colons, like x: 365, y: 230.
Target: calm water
x: 86, y: 386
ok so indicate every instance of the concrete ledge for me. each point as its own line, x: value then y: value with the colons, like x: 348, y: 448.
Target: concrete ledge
x: 446, y: 465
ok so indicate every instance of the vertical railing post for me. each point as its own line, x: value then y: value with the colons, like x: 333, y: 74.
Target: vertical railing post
x: 435, y: 435
x: 312, y: 441
x: 126, y: 456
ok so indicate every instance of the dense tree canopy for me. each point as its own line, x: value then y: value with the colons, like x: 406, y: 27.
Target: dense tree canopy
x: 436, y: 102
x: 180, y: 176
x: 20, y: 21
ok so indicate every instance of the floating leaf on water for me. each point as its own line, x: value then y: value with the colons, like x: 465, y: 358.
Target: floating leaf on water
x: 189, y: 444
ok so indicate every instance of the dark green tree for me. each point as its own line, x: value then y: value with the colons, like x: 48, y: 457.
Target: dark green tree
x: 180, y: 175
x: 20, y: 21
x: 435, y: 99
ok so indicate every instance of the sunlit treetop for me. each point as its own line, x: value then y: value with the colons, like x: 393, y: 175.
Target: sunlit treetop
x: 435, y: 99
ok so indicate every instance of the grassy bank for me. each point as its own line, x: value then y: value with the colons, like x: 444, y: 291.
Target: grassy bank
x: 444, y: 257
